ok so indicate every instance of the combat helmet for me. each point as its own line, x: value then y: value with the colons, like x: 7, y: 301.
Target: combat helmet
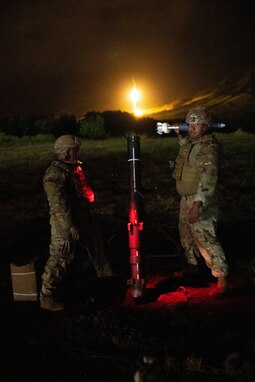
x: 198, y: 114
x: 64, y: 143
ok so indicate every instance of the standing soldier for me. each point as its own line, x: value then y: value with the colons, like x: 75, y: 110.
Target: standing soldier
x: 196, y: 176
x: 69, y: 197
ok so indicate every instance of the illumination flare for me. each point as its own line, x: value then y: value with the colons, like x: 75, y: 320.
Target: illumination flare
x: 135, y: 95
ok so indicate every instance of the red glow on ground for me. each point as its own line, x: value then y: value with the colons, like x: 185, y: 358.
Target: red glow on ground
x: 209, y: 297
x: 182, y: 294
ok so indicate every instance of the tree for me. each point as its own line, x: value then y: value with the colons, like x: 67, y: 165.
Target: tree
x: 92, y: 126
x: 118, y: 123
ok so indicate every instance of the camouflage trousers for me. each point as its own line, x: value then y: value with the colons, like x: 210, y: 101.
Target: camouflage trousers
x: 200, y: 238
x: 61, y: 255
x: 62, y: 252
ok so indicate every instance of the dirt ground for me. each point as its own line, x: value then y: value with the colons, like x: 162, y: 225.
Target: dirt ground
x: 179, y: 330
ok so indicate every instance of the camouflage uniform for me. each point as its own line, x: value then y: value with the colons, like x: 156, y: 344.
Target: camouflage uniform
x: 69, y: 199
x: 196, y: 175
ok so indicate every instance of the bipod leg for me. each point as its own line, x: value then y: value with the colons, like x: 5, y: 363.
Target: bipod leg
x: 170, y: 238
x: 116, y: 232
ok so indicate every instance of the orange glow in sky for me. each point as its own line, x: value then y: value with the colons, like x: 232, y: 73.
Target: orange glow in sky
x: 135, y: 95
x: 141, y: 101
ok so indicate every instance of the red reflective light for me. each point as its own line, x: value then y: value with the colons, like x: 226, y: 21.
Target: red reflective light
x: 84, y: 189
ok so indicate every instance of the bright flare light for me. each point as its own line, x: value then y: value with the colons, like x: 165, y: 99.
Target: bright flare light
x: 135, y: 95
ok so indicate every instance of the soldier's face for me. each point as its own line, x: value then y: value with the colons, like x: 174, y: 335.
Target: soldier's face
x: 74, y: 154
x: 197, y: 130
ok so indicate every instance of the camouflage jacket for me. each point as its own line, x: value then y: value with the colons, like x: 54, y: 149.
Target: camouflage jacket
x: 197, y: 165
x: 66, y: 195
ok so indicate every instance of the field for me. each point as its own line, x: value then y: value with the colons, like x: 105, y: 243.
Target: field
x: 191, y: 336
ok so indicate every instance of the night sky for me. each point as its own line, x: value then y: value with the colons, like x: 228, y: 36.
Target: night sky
x: 75, y: 56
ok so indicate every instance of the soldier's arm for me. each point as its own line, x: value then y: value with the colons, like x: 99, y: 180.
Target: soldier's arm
x: 56, y: 191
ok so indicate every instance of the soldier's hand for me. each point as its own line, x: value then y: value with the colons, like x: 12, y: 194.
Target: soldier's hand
x: 178, y: 133
x: 194, y: 212
x: 75, y: 233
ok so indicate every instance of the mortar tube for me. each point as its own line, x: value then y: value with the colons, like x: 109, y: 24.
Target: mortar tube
x: 135, y: 225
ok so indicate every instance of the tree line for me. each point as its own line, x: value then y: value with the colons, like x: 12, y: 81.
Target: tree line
x: 97, y: 125
x: 93, y: 125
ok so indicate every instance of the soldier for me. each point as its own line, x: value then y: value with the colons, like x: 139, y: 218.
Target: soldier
x: 69, y: 197
x: 196, y: 175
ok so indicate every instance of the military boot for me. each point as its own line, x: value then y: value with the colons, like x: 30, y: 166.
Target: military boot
x: 49, y: 303
x: 222, y: 282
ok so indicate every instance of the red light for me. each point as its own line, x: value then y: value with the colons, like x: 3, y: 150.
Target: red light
x: 83, y: 188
